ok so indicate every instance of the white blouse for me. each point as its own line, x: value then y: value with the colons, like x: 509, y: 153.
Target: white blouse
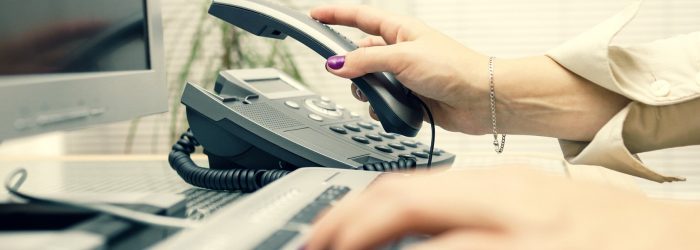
x: 662, y: 78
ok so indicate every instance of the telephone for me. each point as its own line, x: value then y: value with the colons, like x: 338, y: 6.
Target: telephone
x: 263, y: 123
x: 260, y: 124
x: 397, y: 108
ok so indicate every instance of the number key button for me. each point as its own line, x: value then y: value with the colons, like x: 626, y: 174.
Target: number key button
x: 366, y: 125
x: 387, y: 135
x: 374, y: 137
x: 420, y: 154
x: 352, y: 127
x: 397, y: 146
x: 384, y: 149
x: 410, y: 143
x: 338, y: 130
x: 360, y: 139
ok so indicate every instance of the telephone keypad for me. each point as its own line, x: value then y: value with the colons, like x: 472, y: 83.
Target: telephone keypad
x: 374, y: 137
x: 367, y: 132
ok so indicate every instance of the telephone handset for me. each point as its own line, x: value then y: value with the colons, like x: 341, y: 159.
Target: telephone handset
x: 259, y: 124
x: 398, y: 110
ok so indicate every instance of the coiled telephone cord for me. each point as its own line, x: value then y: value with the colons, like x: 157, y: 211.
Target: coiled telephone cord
x: 246, y: 180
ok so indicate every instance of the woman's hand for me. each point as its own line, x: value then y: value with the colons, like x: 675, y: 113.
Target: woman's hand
x: 447, y: 75
x: 505, y: 209
x: 535, y: 95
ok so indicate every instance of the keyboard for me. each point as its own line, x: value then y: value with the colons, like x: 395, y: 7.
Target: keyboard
x: 201, y: 203
x: 278, y: 216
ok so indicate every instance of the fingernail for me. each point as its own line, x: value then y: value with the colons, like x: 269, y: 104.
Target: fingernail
x: 336, y: 62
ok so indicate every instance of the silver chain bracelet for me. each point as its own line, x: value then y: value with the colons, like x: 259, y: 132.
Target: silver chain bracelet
x: 497, y: 146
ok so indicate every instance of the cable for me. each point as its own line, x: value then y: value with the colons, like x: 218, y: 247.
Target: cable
x: 248, y: 180
x: 432, y: 131
x: 116, y: 211
x: 404, y: 163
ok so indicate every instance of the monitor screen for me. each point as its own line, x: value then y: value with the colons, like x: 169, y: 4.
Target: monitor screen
x: 70, y: 64
x: 73, y: 36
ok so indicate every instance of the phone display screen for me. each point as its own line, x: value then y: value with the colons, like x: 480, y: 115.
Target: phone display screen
x: 270, y: 86
x: 73, y: 36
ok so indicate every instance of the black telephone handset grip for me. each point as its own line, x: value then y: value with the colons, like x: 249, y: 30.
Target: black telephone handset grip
x: 398, y: 109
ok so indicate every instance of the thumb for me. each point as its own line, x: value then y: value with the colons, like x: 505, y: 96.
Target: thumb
x: 366, y: 60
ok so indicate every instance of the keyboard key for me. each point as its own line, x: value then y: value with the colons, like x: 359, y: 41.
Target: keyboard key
x: 333, y: 193
x: 309, y: 213
x: 338, y: 130
x: 277, y: 240
x: 360, y: 139
x: 352, y: 127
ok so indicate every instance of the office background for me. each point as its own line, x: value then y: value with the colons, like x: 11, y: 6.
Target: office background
x: 503, y: 28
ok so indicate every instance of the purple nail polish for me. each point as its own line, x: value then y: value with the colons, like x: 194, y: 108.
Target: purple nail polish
x: 336, y: 62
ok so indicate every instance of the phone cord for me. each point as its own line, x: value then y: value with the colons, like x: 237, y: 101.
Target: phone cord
x: 239, y: 179
x: 246, y: 180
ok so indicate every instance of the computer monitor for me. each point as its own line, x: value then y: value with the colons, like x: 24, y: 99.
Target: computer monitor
x: 68, y: 64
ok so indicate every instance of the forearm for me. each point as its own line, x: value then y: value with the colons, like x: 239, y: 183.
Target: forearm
x: 537, y: 96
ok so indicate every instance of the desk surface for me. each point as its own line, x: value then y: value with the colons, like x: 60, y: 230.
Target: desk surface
x: 689, y: 190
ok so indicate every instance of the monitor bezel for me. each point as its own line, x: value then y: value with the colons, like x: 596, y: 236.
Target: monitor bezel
x: 35, y: 104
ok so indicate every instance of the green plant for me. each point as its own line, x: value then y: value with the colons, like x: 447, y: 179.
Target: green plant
x: 239, y: 49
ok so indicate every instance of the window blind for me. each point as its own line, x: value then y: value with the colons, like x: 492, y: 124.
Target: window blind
x: 503, y: 28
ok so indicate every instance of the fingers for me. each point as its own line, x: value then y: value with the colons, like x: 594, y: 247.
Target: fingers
x: 357, y: 93
x: 371, y: 220
x: 372, y: 21
x: 368, y: 60
x: 371, y: 41
x: 462, y: 239
x: 373, y: 114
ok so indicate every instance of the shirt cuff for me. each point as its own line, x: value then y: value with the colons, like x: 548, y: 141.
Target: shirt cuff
x: 608, y: 149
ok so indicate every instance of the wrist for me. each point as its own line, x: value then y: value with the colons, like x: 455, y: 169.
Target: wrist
x: 537, y: 96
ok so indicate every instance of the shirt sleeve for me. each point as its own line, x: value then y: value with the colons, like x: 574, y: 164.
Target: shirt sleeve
x: 662, y: 78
